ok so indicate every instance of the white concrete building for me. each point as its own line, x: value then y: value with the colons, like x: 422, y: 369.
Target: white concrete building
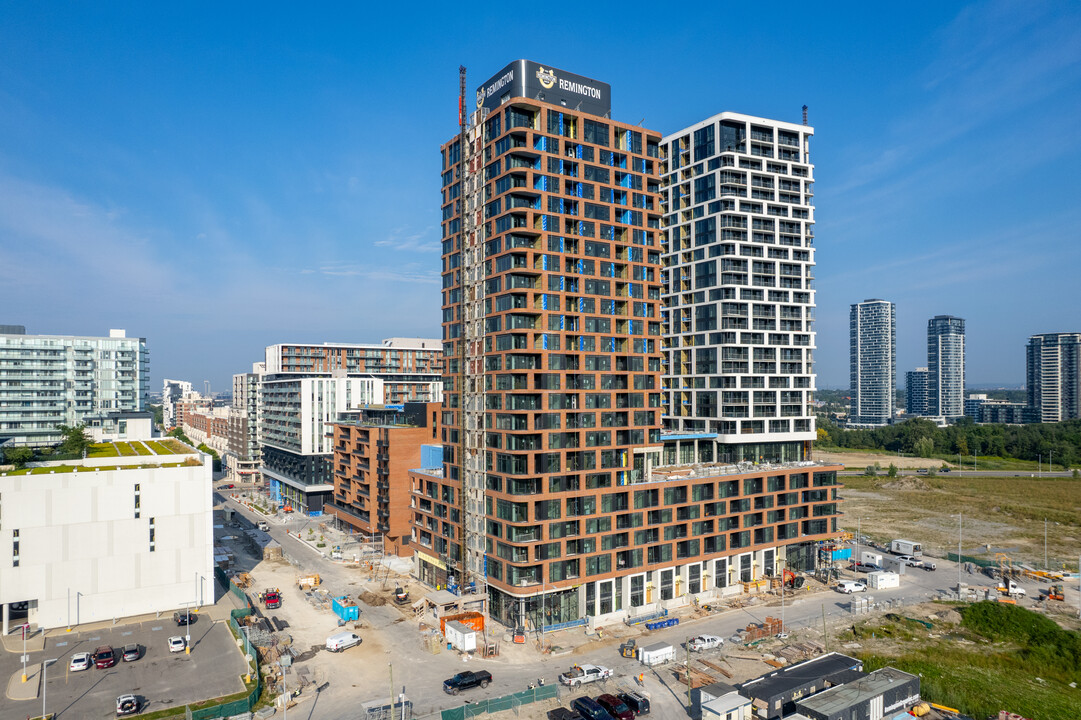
x: 739, y: 297
x: 86, y: 544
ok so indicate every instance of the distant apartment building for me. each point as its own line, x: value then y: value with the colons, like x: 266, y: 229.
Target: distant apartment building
x: 554, y: 344
x: 873, y: 363
x: 945, y: 367
x: 1007, y: 413
x: 172, y: 392
x: 374, y: 450
x: 407, y: 366
x: 308, y: 387
x: 916, y: 392
x: 245, y: 453
x: 50, y: 380
x: 1053, y: 376
x: 107, y: 537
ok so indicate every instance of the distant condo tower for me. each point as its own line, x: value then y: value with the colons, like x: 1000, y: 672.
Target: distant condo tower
x: 946, y: 366
x: 872, y: 361
x: 1053, y: 376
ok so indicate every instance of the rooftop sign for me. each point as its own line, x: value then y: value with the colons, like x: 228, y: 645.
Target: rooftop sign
x: 527, y: 79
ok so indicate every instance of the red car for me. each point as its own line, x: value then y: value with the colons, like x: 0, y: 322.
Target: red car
x: 104, y: 657
x: 616, y: 707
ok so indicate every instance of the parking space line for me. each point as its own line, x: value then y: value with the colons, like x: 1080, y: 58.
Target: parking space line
x: 156, y: 627
x: 95, y: 638
x: 60, y: 644
x: 128, y: 632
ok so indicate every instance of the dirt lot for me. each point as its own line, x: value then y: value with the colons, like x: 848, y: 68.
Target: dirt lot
x: 858, y: 461
x: 1001, y: 514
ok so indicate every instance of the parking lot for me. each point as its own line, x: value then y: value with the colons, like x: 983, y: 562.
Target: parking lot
x: 163, y: 679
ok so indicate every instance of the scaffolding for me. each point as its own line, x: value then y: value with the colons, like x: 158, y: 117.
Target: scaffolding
x: 470, y: 356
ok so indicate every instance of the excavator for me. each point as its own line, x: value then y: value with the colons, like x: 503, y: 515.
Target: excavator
x: 1055, y: 592
x: 792, y: 581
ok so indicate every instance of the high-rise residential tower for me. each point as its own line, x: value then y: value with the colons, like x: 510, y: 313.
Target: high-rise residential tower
x: 739, y: 295
x: 551, y: 322
x: 1053, y: 376
x: 916, y: 391
x: 558, y: 490
x: 872, y: 328
x: 946, y: 366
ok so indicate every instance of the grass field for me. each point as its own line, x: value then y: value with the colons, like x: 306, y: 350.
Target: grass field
x: 141, y: 448
x: 1005, y: 513
x: 1004, y: 658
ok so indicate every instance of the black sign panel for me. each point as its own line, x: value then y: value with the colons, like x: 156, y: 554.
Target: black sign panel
x: 525, y: 78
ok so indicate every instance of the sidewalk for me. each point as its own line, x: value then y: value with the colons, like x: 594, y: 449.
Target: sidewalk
x: 19, y: 690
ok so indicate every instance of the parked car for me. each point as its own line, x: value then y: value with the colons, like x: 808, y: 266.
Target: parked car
x: 127, y: 705
x: 230, y: 486
x: 850, y: 586
x: 185, y: 618
x: 467, y: 680
x: 638, y: 703
x: 615, y: 707
x: 590, y: 709
x: 581, y: 674
x: 864, y: 567
x: 177, y: 644
x: 104, y: 657
x: 908, y: 560
x: 131, y: 653
x: 562, y: 713
x: 704, y: 642
x: 79, y: 661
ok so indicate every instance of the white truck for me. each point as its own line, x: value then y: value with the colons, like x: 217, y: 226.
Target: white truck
x: 906, y: 547
x: 342, y: 641
x: 1011, y: 589
x: 582, y: 674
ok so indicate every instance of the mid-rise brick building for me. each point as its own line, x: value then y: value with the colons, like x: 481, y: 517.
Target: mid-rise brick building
x: 374, y: 450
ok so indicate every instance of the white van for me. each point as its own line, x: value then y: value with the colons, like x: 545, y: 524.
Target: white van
x: 850, y: 586
x: 342, y: 641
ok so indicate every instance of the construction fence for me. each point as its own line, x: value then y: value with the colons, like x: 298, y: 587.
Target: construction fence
x: 507, y: 702
x: 244, y: 704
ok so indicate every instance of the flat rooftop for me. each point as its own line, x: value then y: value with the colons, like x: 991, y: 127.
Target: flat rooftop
x: 793, y: 677
x: 842, y: 697
x: 703, y: 470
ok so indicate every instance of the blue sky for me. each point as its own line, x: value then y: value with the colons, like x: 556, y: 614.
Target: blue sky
x: 220, y: 177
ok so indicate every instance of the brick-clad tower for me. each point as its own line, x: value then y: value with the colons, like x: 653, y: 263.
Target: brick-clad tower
x: 551, y: 331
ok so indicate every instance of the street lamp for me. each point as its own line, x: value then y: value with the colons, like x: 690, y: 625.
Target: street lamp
x: 959, y: 555
x: 44, y: 686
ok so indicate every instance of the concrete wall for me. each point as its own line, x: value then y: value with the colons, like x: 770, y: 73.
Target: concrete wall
x: 84, y: 556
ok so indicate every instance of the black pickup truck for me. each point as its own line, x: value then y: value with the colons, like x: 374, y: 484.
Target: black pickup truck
x: 466, y: 680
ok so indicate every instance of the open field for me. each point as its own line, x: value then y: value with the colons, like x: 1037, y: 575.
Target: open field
x: 859, y: 459
x: 1005, y: 513
x: 1024, y: 666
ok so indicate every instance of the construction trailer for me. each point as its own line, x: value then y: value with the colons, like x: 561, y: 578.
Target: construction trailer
x: 774, y: 694
x: 883, y: 693
x: 656, y: 654
x: 461, y: 636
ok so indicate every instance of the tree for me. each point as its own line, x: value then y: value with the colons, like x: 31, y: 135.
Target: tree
x: 75, y: 439
x: 18, y: 456
x: 892, y: 472
x: 870, y: 471
x: 924, y: 447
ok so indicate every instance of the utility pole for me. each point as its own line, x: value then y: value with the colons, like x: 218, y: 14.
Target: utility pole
x: 959, y: 555
x: 825, y: 635
x: 391, y: 666
x: 1045, y: 545
x: 687, y: 667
